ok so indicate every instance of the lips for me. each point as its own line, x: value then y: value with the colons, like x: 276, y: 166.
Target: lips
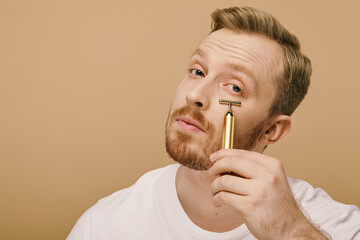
x: 189, y: 124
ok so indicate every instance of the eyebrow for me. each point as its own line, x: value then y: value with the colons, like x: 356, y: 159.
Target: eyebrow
x: 235, y: 67
x: 199, y: 52
x: 243, y: 69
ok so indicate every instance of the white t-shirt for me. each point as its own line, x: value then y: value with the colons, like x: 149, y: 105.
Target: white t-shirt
x: 150, y: 209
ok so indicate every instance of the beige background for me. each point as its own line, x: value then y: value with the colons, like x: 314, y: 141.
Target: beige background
x: 85, y: 87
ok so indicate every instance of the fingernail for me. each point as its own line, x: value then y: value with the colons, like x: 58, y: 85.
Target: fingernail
x: 212, y: 157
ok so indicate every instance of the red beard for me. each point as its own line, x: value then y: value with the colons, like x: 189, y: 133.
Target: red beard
x: 190, y: 151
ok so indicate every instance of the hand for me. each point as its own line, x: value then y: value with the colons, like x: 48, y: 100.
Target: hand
x: 260, y: 193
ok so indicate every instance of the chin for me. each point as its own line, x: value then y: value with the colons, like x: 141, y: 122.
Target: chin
x: 190, y: 152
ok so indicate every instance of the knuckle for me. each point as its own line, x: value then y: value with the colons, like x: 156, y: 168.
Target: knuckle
x: 277, y: 165
x: 221, y: 196
x: 223, y: 181
x: 269, y: 179
x: 272, y: 180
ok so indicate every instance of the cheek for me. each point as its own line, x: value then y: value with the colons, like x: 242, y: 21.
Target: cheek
x: 179, y: 99
x: 216, y: 118
x: 247, y: 119
x: 243, y: 119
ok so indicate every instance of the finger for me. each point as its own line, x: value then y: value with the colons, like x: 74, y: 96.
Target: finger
x: 260, y: 158
x: 228, y: 198
x: 227, y: 152
x: 243, y: 167
x: 228, y: 183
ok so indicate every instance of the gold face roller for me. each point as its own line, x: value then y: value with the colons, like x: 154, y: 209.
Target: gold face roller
x: 229, y: 121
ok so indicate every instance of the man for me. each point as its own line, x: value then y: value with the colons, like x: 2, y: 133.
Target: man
x: 235, y: 193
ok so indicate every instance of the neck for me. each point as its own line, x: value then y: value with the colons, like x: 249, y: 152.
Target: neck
x: 193, y: 189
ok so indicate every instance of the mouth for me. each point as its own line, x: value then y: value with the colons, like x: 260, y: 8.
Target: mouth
x: 189, y: 124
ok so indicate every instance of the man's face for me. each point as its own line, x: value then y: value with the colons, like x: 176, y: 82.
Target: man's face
x: 226, y: 65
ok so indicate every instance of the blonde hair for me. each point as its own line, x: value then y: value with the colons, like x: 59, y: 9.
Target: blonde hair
x: 294, y: 81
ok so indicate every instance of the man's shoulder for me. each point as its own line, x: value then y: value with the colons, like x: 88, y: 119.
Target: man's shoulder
x: 312, y: 198
x: 134, y: 206
x: 305, y: 193
x: 159, y: 173
x: 146, y: 186
x: 336, y: 218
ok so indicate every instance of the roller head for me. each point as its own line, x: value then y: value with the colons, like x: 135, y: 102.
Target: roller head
x: 222, y: 101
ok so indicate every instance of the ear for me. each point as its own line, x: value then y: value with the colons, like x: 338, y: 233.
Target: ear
x: 278, y: 128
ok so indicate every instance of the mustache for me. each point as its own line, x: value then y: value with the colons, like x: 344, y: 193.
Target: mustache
x: 194, y: 113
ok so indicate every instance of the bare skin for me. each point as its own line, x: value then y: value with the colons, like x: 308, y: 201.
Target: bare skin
x: 263, y: 200
x: 259, y: 194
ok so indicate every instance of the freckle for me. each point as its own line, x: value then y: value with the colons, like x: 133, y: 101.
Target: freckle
x: 216, y: 213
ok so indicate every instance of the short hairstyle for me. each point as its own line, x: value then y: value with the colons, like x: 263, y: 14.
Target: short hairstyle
x: 294, y: 81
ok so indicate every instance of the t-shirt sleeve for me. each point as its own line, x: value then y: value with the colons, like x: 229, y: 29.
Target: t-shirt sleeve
x: 82, y: 228
x: 348, y: 225
x: 339, y: 221
x: 89, y: 224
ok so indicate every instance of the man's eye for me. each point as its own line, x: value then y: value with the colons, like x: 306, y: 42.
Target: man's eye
x: 197, y: 72
x: 235, y: 88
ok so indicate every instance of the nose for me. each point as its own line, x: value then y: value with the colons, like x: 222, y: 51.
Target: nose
x: 199, y: 95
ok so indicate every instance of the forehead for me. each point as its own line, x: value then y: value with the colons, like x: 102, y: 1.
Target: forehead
x: 258, y: 55
x: 252, y: 45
